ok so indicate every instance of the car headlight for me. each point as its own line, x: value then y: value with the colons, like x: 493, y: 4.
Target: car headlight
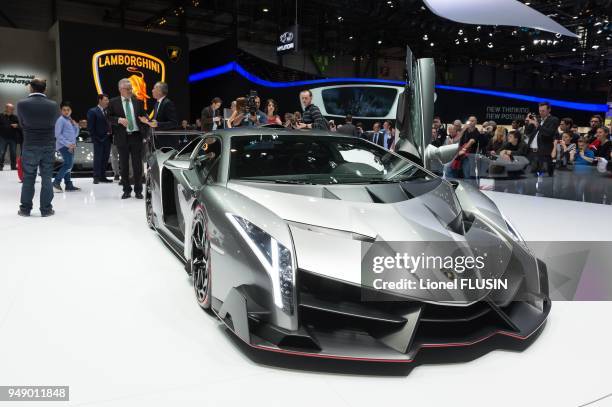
x: 275, y: 258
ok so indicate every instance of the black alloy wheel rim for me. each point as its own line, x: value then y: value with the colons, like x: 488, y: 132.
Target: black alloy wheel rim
x: 149, y: 203
x: 199, y: 259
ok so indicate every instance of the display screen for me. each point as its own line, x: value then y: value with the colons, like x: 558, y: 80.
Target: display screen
x: 360, y: 101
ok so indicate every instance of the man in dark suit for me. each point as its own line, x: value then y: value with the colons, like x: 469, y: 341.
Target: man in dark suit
x: 381, y: 137
x: 9, y: 131
x: 37, y: 116
x: 164, y: 116
x: 126, y: 114
x: 542, y: 134
x: 100, y: 133
x: 211, y: 119
x: 348, y: 127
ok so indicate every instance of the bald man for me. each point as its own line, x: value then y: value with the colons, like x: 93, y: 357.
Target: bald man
x: 9, y: 133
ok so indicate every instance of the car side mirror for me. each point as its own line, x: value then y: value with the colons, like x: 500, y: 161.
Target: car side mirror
x: 179, y: 164
x: 204, y: 158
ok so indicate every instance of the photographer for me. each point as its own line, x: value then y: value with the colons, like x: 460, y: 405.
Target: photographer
x: 564, y: 150
x: 542, y: 133
x: 289, y: 120
x: 583, y: 156
x: 242, y: 116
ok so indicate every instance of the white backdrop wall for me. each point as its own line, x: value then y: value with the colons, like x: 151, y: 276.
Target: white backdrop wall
x: 25, y: 53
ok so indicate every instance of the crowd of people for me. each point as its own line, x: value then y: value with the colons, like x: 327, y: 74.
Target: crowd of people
x: 547, y: 142
x: 119, y: 127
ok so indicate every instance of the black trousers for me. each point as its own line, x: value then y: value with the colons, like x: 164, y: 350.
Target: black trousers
x: 102, y: 150
x: 539, y: 161
x: 11, y: 144
x: 131, y: 149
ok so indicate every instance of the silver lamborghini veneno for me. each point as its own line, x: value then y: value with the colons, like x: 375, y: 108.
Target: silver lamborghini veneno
x: 272, y: 224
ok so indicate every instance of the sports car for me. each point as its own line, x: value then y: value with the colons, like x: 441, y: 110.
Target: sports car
x: 271, y: 224
x: 83, y: 157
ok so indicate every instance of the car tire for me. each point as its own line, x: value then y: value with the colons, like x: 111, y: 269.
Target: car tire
x: 149, y: 203
x: 200, y: 258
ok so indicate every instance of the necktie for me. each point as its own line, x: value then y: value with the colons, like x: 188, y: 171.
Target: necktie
x: 128, y: 114
x: 156, y: 110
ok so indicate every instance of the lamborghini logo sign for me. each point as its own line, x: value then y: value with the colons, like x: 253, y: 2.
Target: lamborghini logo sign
x: 174, y: 53
x: 143, y: 70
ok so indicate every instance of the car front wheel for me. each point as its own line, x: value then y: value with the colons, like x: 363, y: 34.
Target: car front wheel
x: 200, y: 258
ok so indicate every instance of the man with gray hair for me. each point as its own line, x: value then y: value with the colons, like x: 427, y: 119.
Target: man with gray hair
x: 164, y: 116
x: 124, y: 112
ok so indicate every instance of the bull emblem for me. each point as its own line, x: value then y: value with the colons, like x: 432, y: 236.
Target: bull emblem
x: 139, y: 85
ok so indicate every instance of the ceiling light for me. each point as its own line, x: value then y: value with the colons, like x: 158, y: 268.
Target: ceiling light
x: 490, y: 45
x: 351, y: 37
x: 457, y: 41
x: 340, y: 18
x: 431, y: 44
x: 574, y: 49
x: 425, y: 37
x: 379, y: 42
x: 460, y: 32
x: 595, y: 46
x: 523, y: 48
x: 265, y: 10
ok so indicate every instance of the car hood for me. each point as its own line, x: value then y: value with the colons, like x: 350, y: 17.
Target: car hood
x: 332, y: 235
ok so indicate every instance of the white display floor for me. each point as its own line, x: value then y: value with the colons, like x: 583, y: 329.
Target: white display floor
x: 92, y: 299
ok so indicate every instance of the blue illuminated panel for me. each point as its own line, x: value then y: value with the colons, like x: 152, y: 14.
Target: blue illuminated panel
x: 235, y: 67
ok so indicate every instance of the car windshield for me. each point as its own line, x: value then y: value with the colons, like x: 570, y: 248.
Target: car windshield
x: 311, y: 159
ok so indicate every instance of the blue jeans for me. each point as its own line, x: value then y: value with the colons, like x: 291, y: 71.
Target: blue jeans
x: 33, y: 160
x: 64, y: 171
x: 12, y: 145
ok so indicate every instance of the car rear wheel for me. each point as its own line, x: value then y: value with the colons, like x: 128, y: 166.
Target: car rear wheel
x: 149, y: 203
x: 200, y: 258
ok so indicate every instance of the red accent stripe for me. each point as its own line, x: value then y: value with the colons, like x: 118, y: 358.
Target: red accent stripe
x: 325, y: 356
x: 351, y: 358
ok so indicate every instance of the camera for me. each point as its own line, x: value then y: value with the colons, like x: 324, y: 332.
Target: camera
x: 251, y: 105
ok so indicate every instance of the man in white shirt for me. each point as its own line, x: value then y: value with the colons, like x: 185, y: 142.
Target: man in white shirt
x: 542, y: 133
